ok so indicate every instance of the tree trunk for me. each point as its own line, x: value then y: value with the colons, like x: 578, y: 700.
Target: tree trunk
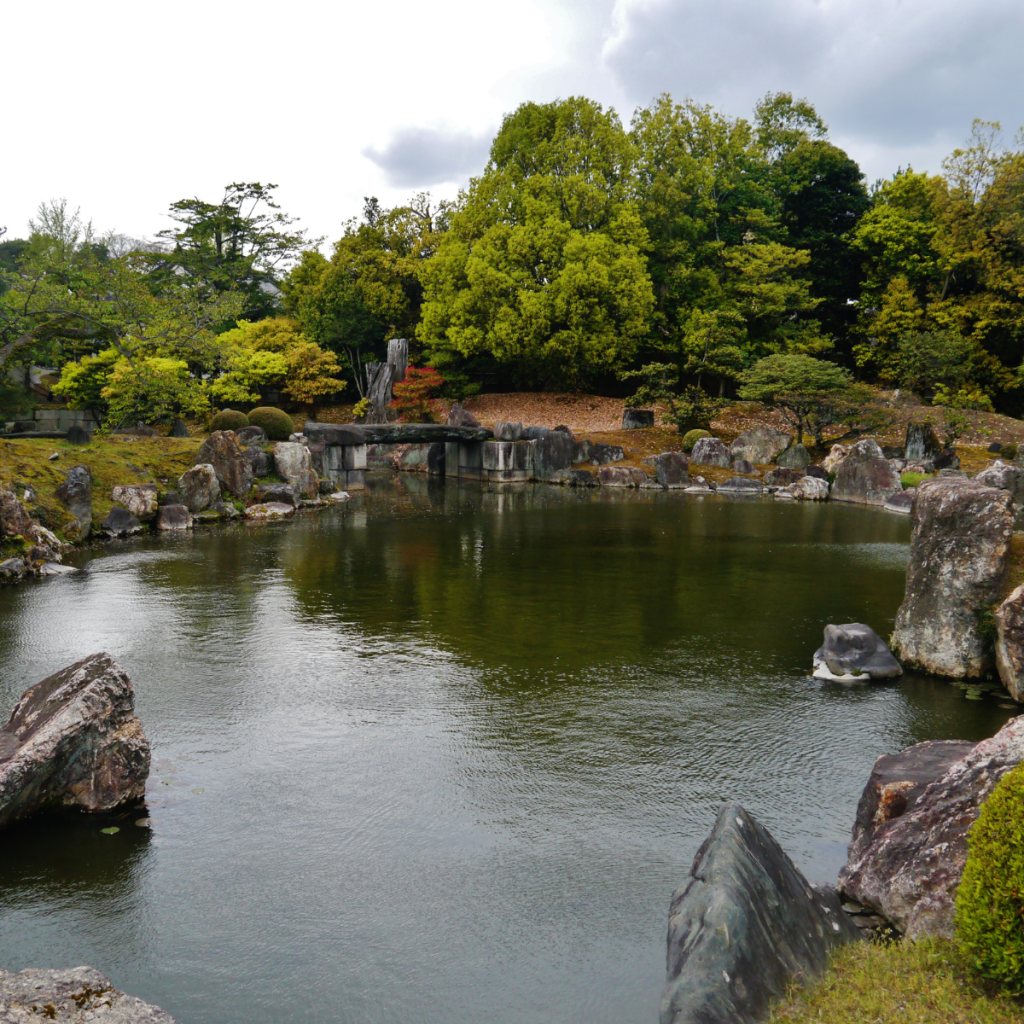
x: 398, y: 359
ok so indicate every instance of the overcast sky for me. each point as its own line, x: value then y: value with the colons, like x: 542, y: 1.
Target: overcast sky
x: 123, y: 108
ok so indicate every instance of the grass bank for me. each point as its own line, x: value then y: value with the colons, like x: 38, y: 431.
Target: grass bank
x: 901, y: 983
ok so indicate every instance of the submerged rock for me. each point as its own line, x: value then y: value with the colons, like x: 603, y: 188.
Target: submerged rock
x: 959, y: 551
x: 73, y: 741
x: 908, y: 868
x: 865, y: 476
x: 853, y: 652
x: 77, y: 995
x: 745, y: 925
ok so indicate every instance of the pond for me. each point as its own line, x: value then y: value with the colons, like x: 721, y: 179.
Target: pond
x: 441, y: 755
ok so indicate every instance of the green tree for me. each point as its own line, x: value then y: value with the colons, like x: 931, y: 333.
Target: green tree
x: 688, y: 407
x: 543, y: 266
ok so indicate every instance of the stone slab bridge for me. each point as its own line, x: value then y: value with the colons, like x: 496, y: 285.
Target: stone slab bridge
x: 465, y: 453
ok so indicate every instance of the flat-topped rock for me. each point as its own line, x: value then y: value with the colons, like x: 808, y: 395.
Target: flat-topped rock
x: 854, y: 651
x: 393, y: 433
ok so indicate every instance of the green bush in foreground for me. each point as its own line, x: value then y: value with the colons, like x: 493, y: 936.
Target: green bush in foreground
x: 691, y: 437
x: 276, y: 422
x: 924, y: 982
x: 990, y: 900
x: 229, y: 419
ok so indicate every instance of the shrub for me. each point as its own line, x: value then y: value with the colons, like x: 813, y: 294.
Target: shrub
x: 990, y: 900
x: 229, y: 419
x: 412, y: 395
x: 691, y: 437
x: 1008, y: 451
x: 913, y: 479
x: 276, y: 422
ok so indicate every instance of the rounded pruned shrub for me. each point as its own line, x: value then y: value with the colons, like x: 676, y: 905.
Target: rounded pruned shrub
x: 229, y: 419
x: 691, y: 437
x: 1009, y: 451
x: 276, y: 422
x: 990, y: 899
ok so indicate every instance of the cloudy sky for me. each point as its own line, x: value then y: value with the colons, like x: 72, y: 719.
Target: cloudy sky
x: 124, y: 107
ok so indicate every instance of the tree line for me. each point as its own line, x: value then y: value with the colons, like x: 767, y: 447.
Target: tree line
x: 686, y: 256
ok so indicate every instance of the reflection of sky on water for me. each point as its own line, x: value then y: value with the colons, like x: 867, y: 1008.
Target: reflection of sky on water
x: 443, y: 755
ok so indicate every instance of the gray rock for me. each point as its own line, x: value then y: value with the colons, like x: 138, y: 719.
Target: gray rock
x: 816, y: 471
x: 901, y: 501
x: 710, y: 451
x: 15, y: 520
x: 508, y: 431
x: 283, y: 493
x: 1009, y: 618
x: 602, y: 454
x: 459, y: 417
x: 782, y: 477
x: 294, y: 463
x: 854, y: 652
x: 139, y: 499
x: 745, y: 925
x: 76, y: 493
x: 908, y: 869
x: 171, y: 498
x: 553, y: 454
x: 234, y: 471
x: 742, y: 466
x: 179, y: 428
x: 73, y: 741
x: 78, y: 435
x: 637, y: 419
x: 741, y: 485
x: 76, y: 995
x: 13, y: 568
x: 261, y: 462
x: 808, y: 488
x: 534, y: 433
x: 959, y: 551
x: 225, y: 510
x: 269, y: 510
x: 921, y: 443
x: 198, y: 487
x: 414, y: 458
x: 580, y: 478
x: 173, y: 517
x: 249, y: 436
x: 865, y: 476
x: 794, y: 457
x: 761, y: 444
x: 945, y: 460
x: 1006, y: 477
x: 120, y: 523
x: 671, y: 470
x: 621, y: 476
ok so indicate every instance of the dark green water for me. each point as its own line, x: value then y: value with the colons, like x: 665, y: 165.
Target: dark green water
x: 441, y: 756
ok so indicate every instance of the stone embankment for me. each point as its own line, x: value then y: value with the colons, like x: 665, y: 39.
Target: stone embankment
x: 72, y: 996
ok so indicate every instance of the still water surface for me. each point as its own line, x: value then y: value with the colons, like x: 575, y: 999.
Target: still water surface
x: 440, y: 756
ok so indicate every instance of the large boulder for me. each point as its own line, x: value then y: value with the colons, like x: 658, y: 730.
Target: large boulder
x: 198, y: 487
x: 119, y: 522
x: 907, y: 867
x: 808, y: 488
x: 637, y: 419
x: 73, y: 741
x: 295, y: 465
x: 139, y: 499
x: 621, y: 476
x: 761, y: 444
x: 852, y: 652
x: 710, y: 451
x: 959, y: 551
x: 865, y: 476
x: 835, y: 456
x: 671, y: 470
x: 601, y: 454
x: 283, y: 493
x: 1009, y: 618
x: 901, y: 502
x: 72, y: 996
x: 172, y: 518
x: 76, y: 493
x: 234, y: 471
x: 922, y: 443
x: 795, y: 457
x: 553, y: 454
x: 744, y: 926
x: 1006, y: 477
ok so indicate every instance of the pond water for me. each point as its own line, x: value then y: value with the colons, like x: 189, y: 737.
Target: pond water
x: 441, y: 755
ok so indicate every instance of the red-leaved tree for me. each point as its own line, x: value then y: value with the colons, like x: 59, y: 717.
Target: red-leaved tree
x: 413, y: 395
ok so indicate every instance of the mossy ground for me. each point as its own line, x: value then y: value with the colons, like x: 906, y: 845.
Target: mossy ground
x: 111, y: 460
x: 901, y: 983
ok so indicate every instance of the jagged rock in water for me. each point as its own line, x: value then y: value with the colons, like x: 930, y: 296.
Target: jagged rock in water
x: 760, y: 445
x: 921, y: 443
x: 72, y: 996
x: 808, y: 488
x: 621, y: 476
x: 745, y: 925
x: 854, y: 651
x: 1009, y: 618
x: 234, y: 471
x: 710, y: 451
x: 671, y: 470
x: 959, y: 552
x: 637, y: 419
x: 907, y: 869
x: 269, y: 510
x: 865, y: 476
x: 73, y: 741
x: 293, y: 462
x: 173, y: 517
x: 1006, y: 477
x: 794, y: 457
x: 198, y: 487
x: 76, y: 493
x: 139, y: 499
x: 119, y: 522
